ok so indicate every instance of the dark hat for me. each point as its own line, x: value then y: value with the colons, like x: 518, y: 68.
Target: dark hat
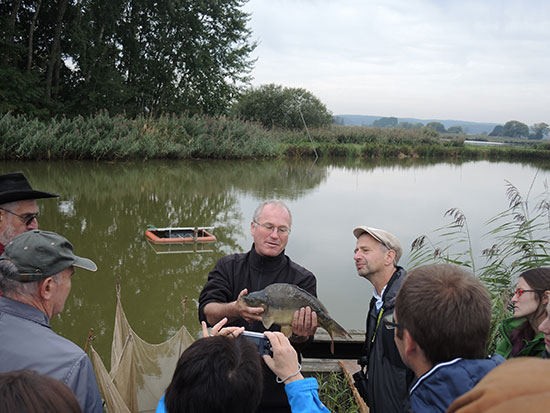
x: 40, y: 254
x: 15, y: 187
x: 387, y: 239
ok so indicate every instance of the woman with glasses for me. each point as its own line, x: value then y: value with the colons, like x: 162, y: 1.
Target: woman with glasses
x: 544, y: 327
x: 520, y: 334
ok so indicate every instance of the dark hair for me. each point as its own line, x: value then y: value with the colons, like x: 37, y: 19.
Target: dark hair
x: 446, y: 310
x: 538, y: 279
x: 216, y: 375
x: 30, y: 392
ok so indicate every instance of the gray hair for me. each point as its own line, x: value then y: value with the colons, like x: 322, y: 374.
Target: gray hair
x: 8, y: 234
x: 275, y: 202
x: 12, y: 288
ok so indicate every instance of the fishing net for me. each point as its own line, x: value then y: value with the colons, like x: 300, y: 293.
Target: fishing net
x: 140, y: 371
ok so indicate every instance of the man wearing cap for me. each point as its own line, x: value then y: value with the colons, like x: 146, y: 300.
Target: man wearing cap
x: 383, y: 380
x: 18, y: 210
x: 35, y: 276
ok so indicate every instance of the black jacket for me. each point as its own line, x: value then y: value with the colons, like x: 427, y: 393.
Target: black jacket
x: 230, y: 276
x: 388, y: 378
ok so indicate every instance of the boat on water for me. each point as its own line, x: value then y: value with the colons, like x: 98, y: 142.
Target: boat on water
x: 179, y: 235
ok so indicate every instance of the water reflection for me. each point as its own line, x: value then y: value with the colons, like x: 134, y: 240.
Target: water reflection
x: 104, y: 209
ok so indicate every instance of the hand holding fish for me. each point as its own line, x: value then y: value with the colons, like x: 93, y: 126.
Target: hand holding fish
x: 304, y: 323
x: 217, y: 330
x: 246, y: 312
x: 284, y: 362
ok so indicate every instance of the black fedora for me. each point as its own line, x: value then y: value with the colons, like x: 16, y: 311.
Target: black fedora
x: 15, y: 187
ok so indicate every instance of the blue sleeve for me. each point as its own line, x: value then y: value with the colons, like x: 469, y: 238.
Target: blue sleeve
x: 161, y: 408
x: 303, y: 396
x: 83, y: 383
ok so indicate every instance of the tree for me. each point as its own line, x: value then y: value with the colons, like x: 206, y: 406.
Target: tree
x: 132, y: 56
x: 388, y: 122
x: 277, y: 106
x: 498, y: 130
x: 437, y: 126
x: 410, y: 125
x: 455, y: 129
x: 540, y: 130
x: 515, y: 129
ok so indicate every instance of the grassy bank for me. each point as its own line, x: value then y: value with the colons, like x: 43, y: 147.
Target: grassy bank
x: 103, y: 137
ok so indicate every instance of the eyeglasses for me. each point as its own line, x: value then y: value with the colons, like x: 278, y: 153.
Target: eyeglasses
x: 26, y: 218
x: 520, y: 291
x: 270, y: 228
x: 389, y: 323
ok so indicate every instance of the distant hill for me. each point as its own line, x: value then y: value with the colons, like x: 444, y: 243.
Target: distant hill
x: 472, y: 128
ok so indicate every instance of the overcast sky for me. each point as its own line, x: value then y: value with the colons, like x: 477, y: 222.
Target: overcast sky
x: 481, y: 60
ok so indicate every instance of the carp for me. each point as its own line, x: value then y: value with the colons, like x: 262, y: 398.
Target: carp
x: 280, y: 301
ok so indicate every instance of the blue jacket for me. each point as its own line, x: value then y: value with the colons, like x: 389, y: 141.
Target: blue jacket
x: 303, y: 397
x: 28, y: 342
x: 439, y: 387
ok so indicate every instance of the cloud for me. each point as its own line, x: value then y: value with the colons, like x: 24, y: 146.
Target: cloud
x: 477, y: 60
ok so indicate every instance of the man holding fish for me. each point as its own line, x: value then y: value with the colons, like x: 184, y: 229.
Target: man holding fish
x: 236, y: 275
x: 383, y: 380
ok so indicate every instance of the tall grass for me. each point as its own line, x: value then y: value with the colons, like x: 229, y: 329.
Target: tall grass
x: 104, y: 137
x: 520, y: 237
x: 335, y: 392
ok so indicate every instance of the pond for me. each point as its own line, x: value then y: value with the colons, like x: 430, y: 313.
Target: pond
x: 105, y: 208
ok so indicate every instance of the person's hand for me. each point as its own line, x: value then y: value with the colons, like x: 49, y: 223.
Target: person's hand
x: 304, y: 323
x: 247, y: 313
x: 284, y: 362
x: 217, y: 330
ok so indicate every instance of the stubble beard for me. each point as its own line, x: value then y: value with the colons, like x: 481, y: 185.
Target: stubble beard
x: 7, y: 235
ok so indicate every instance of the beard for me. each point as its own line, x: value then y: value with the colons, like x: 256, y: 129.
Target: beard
x: 7, y: 235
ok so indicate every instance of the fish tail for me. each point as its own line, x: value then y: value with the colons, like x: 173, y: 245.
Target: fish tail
x: 336, y: 329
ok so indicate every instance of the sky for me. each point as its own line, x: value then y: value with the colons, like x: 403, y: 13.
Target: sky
x: 481, y: 60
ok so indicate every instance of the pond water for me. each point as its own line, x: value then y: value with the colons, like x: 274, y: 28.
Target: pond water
x: 104, y: 210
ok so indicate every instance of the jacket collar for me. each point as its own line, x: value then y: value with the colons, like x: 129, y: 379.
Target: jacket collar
x: 265, y: 262
x: 22, y: 310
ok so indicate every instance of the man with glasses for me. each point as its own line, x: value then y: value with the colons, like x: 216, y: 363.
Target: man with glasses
x: 18, y: 209
x: 266, y: 263
x: 383, y: 380
x: 441, y: 324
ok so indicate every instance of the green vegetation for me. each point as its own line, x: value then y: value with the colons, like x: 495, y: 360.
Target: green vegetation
x: 282, y: 107
x: 515, y: 129
x: 521, y: 235
x: 134, y: 57
x: 335, y: 392
x: 105, y: 137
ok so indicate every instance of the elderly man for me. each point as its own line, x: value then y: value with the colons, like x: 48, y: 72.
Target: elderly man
x: 35, y: 275
x: 441, y: 320
x: 266, y: 263
x: 383, y: 380
x: 18, y: 210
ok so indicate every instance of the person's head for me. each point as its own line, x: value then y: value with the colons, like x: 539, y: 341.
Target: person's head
x: 216, y: 374
x: 544, y: 327
x: 30, y: 392
x: 445, y: 311
x: 529, y: 299
x: 270, y: 227
x: 36, y: 268
x: 18, y: 209
x: 376, y: 251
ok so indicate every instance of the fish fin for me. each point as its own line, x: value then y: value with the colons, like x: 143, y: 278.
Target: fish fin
x: 332, y: 345
x: 286, y: 330
x: 267, y: 321
x: 336, y: 329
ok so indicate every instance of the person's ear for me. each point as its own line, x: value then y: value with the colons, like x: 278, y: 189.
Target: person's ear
x: 47, y: 288
x: 390, y: 257
x: 546, y: 297
x: 410, y: 344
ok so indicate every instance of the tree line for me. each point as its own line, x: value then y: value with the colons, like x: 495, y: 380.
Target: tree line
x: 516, y: 129
x: 76, y: 57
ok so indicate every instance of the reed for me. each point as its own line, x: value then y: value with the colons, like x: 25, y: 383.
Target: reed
x: 335, y: 392
x: 105, y: 137
x: 520, y: 237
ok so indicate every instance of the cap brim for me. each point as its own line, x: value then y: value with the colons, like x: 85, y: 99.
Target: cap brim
x: 85, y: 263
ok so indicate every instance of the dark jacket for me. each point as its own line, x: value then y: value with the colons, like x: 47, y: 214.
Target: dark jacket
x: 439, y: 387
x: 532, y: 348
x: 388, y: 378
x: 230, y: 276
